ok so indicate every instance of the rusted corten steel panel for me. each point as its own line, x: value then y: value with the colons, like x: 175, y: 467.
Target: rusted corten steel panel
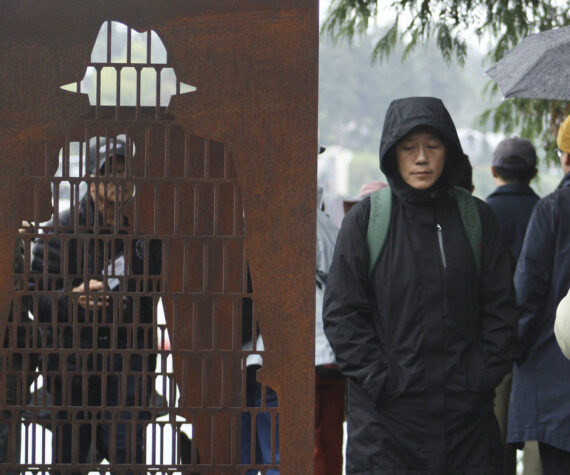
x: 210, y: 232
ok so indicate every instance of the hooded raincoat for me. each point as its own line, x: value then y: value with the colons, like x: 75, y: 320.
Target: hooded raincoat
x: 424, y: 340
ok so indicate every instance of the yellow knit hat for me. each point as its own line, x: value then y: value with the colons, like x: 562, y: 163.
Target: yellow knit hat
x: 563, y: 138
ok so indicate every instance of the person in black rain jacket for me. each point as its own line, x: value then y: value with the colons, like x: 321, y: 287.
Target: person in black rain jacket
x: 426, y: 338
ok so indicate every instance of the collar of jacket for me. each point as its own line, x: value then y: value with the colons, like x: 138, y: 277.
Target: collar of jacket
x: 513, y: 189
x: 565, y: 181
x: 406, y: 194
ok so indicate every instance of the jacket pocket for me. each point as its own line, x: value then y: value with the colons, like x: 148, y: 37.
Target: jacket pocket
x: 388, y: 384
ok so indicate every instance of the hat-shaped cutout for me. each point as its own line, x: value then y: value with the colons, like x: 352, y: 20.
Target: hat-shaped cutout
x: 128, y: 68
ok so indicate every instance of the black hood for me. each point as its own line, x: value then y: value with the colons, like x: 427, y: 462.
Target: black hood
x: 404, y: 115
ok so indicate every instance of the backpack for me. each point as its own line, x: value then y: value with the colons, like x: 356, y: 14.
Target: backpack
x: 381, y: 211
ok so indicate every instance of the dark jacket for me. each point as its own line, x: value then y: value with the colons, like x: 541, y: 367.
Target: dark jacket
x: 540, y: 398
x: 96, y: 253
x: 19, y: 334
x: 513, y: 204
x: 422, y: 346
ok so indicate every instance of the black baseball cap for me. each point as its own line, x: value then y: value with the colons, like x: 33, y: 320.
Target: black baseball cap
x: 103, y: 149
x: 515, y: 153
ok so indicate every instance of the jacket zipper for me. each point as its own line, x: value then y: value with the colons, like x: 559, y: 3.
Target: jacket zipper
x: 439, y: 231
x: 441, y: 250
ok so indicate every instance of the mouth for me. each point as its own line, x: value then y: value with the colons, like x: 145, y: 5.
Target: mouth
x: 421, y: 174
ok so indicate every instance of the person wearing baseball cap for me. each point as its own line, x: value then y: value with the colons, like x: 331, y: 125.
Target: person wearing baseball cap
x: 513, y: 167
x: 101, y: 150
x: 539, y: 408
x: 100, y: 274
x: 107, y: 158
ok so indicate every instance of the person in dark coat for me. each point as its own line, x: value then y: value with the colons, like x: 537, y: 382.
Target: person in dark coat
x: 98, y: 336
x: 513, y: 167
x: 540, y: 397
x: 424, y: 339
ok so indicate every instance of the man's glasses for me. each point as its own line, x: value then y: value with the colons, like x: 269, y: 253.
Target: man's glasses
x: 559, y: 152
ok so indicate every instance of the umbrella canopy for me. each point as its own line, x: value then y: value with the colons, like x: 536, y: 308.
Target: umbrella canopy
x: 538, y: 67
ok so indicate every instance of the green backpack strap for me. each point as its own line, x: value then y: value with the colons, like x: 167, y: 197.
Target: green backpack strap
x: 471, y: 222
x: 380, y: 215
x: 378, y: 224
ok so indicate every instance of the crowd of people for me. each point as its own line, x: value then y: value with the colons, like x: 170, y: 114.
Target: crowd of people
x: 444, y: 320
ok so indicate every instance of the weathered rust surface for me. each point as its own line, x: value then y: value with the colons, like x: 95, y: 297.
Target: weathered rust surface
x: 225, y: 179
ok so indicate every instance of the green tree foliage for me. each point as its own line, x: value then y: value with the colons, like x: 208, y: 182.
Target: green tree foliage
x: 353, y: 93
x: 501, y: 23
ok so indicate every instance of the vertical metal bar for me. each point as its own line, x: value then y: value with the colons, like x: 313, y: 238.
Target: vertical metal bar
x: 176, y: 211
x: 98, y: 92
x: 138, y: 70
x: 118, y: 70
x: 185, y: 270
x: 156, y: 208
x: 55, y: 187
x: 157, y: 71
x: 148, y: 48
x: 217, y: 204
x: 109, y: 31
x: 146, y: 153
x: 167, y: 154
x: 64, y: 159
x: 129, y: 44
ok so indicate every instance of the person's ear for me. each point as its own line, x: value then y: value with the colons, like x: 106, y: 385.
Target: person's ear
x: 494, y: 172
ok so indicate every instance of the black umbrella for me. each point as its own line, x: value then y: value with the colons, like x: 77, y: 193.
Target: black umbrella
x: 538, y: 67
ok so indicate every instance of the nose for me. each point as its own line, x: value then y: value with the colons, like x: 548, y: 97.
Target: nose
x: 421, y: 157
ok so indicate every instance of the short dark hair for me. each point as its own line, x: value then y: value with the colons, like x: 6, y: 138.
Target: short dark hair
x: 516, y: 175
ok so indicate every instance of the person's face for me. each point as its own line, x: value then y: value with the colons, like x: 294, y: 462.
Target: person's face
x: 564, y: 161
x: 421, y: 158
x: 116, y: 191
